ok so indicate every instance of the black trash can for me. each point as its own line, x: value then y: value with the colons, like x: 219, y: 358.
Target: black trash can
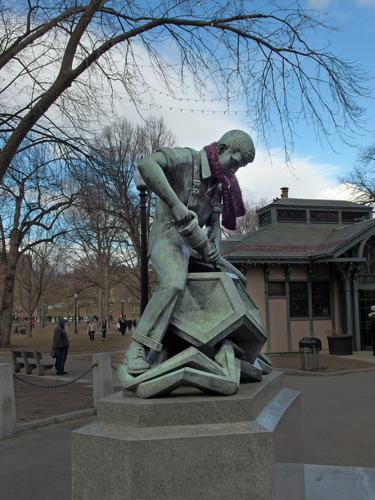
x: 340, y: 345
x: 309, y: 348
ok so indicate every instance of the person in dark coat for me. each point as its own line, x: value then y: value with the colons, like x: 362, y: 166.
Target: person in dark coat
x: 60, y: 346
x: 123, y: 324
x: 103, y: 328
x: 372, y: 328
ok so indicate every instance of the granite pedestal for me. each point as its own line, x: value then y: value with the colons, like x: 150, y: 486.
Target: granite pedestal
x: 192, y: 445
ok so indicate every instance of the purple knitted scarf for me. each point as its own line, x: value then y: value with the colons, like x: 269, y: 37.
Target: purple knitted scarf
x: 233, y: 206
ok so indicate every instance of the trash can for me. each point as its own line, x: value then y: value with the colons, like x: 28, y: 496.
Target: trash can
x: 309, y: 348
x: 340, y: 345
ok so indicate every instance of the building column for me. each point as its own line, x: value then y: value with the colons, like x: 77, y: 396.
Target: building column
x: 310, y: 275
x: 348, y: 306
x: 287, y: 295
x: 333, y: 293
x: 267, y: 307
x: 357, y: 329
x: 346, y: 275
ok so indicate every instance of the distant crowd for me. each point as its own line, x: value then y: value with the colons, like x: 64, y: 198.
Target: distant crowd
x: 122, y: 325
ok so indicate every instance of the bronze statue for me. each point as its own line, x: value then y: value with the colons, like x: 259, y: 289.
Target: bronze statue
x: 194, y: 188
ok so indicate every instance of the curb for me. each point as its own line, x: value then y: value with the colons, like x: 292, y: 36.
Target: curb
x: 55, y: 419
x: 288, y: 371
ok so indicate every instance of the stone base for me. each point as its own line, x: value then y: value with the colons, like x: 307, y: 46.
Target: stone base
x: 192, y: 445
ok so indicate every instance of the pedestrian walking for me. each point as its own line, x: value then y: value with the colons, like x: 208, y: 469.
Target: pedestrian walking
x: 372, y: 328
x: 60, y: 346
x: 91, y: 329
x: 123, y: 325
x: 103, y: 328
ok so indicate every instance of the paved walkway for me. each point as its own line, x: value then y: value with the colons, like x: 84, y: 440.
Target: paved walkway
x: 338, y: 414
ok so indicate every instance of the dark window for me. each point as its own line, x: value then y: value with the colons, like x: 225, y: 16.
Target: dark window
x: 299, y: 306
x: 369, y: 253
x: 265, y: 218
x: 354, y: 216
x: 320, y: 299
x: 276, y: 288
x: 291, y: 215
x: 324, y: 216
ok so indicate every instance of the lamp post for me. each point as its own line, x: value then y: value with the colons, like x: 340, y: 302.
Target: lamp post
x: 143, y: 189
x: 122, y: 308
x: 43, y: 314
x: 75, y: 313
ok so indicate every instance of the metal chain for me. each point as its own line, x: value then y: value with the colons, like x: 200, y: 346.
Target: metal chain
x: 55, y: 386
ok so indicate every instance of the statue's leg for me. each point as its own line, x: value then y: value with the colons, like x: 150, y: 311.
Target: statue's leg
x: 170, y: 258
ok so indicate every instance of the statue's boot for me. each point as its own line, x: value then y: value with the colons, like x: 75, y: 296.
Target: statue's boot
x: 136, y: 359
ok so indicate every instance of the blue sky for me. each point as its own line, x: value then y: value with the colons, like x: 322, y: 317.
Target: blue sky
x: 354, y: 41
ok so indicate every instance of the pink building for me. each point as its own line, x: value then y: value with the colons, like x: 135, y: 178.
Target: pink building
x: 310, y: 268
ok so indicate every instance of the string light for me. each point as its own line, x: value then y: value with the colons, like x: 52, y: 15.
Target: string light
x: 192, y: 99
x: 150, y: 105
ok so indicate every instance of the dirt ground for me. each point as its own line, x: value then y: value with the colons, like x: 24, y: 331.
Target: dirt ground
x: 41, y: 340
x: 34, y: 403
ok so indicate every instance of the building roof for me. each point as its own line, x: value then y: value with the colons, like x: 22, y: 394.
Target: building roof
x: 306, y: 203
x: 293, y: 241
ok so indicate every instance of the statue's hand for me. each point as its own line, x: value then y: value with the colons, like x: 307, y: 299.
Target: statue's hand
x: 211, y: 253
x: 182, y: 214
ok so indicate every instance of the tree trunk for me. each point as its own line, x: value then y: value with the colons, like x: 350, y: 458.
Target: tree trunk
x: 30, y: 324
x: 7, y: 302
x: 100, y: 303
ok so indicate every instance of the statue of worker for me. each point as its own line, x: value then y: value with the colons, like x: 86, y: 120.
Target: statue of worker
x: 193, y: 187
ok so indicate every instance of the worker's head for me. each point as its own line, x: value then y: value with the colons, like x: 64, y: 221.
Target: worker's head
x: 235, y: 150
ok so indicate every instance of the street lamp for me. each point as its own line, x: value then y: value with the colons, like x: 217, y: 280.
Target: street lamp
x: 43, y: 314
x: 75, y: 313
x: 143, y: 189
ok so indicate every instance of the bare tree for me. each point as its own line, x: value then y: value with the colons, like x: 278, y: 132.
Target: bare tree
x: 115, y: 154
x: 32, y: 198
x: 249, y: 222
x: 35, y: 273
x: 361, y: 180
x: 108, y: 191
x: 56, y: 55
x: 94, y: 243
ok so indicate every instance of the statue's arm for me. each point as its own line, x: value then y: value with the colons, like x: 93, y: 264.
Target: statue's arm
x: 214, y: 229
x: 152, y: 169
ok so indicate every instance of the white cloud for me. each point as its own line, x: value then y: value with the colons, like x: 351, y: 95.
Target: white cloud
x: 307, y: 178
x: 201, y: 122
